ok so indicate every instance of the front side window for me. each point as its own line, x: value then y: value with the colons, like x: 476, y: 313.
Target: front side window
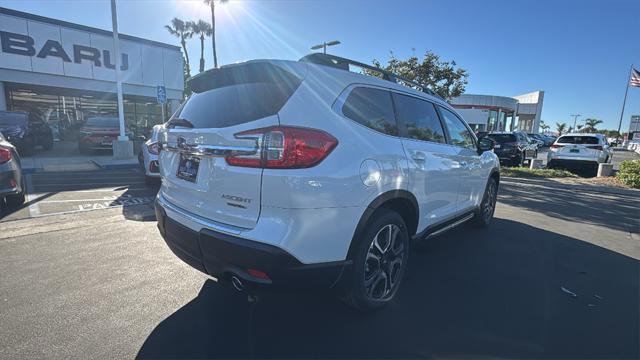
x: 371, y: 108
x: 420, y: 118
x: 458, y: 132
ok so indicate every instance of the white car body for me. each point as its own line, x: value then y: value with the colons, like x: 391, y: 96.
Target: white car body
x: 311, y: 214
x: 148, y: 157
x: 579, y: 151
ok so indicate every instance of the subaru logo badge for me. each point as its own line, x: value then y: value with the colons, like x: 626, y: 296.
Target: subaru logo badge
x: 181, y: 143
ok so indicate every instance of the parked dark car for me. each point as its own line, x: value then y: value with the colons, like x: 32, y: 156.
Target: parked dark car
x: 513, y: 148
x: 12, y: 184
x: 546, y: 141
x: 25, y: 131
x: 99, y: 133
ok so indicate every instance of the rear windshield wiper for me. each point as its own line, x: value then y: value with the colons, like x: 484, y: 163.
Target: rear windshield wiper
x: 179, y: 122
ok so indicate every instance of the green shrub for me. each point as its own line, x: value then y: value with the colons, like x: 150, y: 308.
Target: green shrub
x: 630, y: 173
x: 525, y: 172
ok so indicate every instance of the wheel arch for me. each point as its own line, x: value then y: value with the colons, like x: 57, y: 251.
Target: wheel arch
x: 401, y: 201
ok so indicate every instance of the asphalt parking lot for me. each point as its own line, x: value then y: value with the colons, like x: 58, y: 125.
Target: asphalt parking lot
x: 101, y: 283
x: 56, y: 193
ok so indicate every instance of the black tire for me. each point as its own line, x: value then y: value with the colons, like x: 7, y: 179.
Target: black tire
x: 16, y: 200
x: 484, y: 213
x: 151, y: 181
x: 366, y: 288
x: 27, y: 147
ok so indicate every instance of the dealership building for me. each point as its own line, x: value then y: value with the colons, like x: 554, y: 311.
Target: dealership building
x: 66, y: 73
x: 501, y: 113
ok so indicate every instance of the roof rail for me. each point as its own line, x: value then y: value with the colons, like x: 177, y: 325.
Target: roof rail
x: 343, y: 64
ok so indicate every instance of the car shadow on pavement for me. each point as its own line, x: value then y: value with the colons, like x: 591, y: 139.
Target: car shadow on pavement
x: 618, y: 212
x: 502, y: 292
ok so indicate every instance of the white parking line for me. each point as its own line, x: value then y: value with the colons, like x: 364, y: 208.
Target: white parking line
x: 106, y: 189
x: 34, y: 209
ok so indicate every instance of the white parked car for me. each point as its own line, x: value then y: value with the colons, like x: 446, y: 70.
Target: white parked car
x: 148, y: 157
x: 579, y: 152
x: 279, y: 174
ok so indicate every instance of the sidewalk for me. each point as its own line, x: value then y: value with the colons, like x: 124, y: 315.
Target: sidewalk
x: 65, y: 157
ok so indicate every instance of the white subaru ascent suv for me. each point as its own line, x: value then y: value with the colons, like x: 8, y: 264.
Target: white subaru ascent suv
x: 279, y: 174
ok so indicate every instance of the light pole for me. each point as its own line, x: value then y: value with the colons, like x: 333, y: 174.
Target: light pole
x: 324, y: 45
x: 575, y: 120
x: 122, y: 148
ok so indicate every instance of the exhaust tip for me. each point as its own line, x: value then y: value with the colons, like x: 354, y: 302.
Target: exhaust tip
x: 237, y: 283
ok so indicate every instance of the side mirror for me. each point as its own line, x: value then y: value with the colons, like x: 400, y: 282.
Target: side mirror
x: 485, y: 144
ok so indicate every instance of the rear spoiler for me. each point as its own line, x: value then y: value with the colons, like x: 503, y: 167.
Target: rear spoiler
x: 244, y: 73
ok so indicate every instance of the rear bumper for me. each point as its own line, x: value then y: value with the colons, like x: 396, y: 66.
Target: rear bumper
x: 223, y: 255
x: 572, y: 163
x: 7, y: 176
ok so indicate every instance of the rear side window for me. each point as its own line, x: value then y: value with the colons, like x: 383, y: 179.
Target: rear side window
x: 420, y: 118
x: 236, y: 95
x: 458, y: 131
x: 590, y: 140
x: 502, y: 138
x: 371, y: 108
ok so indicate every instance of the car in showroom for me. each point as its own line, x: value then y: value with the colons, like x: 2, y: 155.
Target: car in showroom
x: 99, y: 133
x: 579, y: 151
x: 513, y: 148
x: 26, y: 130
x: 12, y: 183
x: 148, y: 157
x: 302, y: 174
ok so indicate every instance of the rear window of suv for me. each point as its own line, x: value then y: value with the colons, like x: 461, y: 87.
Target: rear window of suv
x: 590, y: 140
x: 502, y: 138
x: 237, y: 95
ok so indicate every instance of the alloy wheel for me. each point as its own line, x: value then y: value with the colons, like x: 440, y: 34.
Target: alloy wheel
x: 383, y: 263
x: 489, y: 202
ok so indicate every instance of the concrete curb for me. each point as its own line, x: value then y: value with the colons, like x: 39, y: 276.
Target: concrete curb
x: 116, y: 166
x: 576, y: 187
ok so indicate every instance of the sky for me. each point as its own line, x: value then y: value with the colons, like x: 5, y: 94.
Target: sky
x: 579, y: 52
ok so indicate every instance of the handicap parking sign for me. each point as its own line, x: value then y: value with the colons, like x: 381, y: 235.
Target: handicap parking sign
x: 161, y: 94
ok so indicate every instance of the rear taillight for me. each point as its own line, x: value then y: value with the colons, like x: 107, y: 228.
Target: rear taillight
x: 284, y: 147
x: 595, y: 147
x: 556, y: 146
x: 5, y: 155
x: 154, y: 148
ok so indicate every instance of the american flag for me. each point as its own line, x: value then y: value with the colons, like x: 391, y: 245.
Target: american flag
x: 635, y: 78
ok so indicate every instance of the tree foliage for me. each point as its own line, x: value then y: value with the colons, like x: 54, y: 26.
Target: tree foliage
x: 590, y: 125
x: 544, y: 126
x: 443, y: 77
x: 180, y: 29
x: 561, y: 127
x: 203, y: 29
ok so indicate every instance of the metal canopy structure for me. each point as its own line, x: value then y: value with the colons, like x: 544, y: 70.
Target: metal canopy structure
x: 344, y: 63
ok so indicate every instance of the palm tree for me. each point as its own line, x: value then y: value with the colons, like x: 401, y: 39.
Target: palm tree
x: 212, y: 6
x: 180, y: 29
x: 544, y: 126
x: 590, y: 125
x: 561, y: 127
x: 203, y: 29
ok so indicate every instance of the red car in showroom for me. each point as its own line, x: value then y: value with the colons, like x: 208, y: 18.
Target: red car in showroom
x: 98, y: 133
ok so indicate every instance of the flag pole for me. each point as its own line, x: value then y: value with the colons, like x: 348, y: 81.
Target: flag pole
x: 624, y: 102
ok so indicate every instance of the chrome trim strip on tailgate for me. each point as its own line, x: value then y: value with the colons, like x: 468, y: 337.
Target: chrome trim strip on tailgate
x: 209, y: 150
